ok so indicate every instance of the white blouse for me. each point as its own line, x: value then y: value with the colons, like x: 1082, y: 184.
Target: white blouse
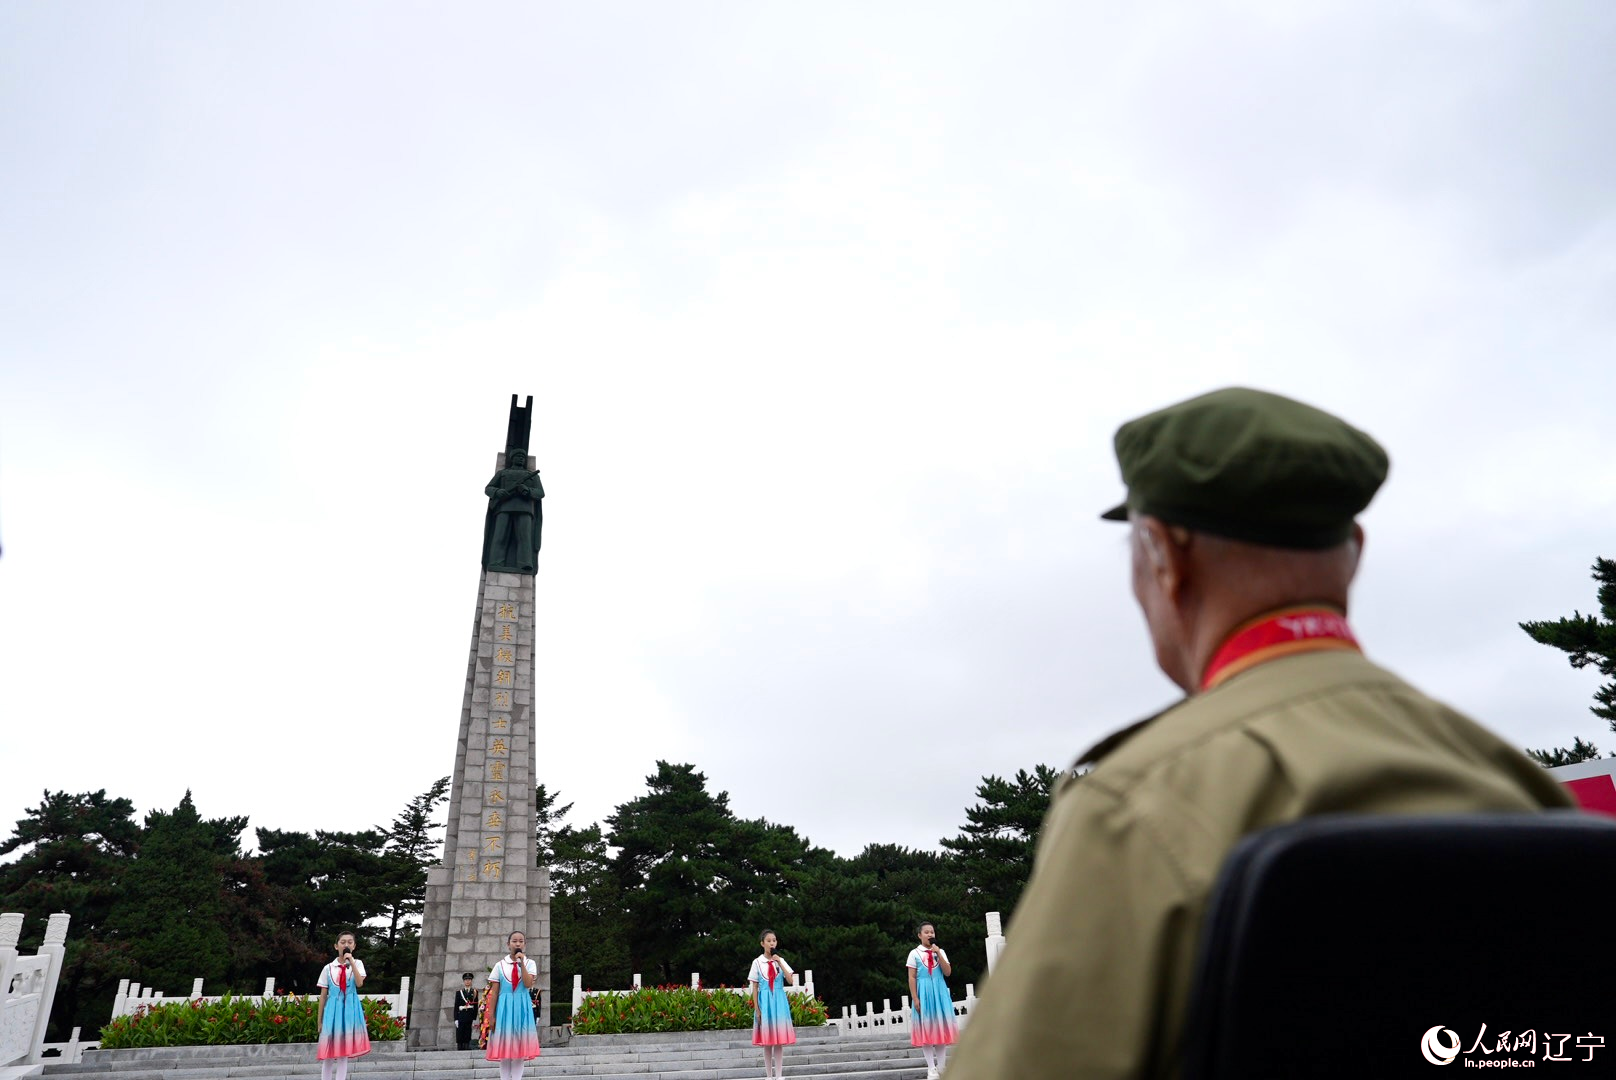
x: 328, y: 974
x: 501, y: 972
x: 760, y: 970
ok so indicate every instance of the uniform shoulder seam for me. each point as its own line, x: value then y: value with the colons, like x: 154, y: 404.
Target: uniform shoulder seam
x: 1158, y: 840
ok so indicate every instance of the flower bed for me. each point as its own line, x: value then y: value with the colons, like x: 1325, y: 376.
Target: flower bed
x: 234, y: 1020
x: 681, y: 1008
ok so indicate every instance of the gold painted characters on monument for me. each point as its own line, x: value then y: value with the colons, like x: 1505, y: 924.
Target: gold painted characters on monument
x: 470, y: 891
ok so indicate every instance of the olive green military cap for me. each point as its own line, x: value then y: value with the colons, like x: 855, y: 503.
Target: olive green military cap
x: 1250, y: 466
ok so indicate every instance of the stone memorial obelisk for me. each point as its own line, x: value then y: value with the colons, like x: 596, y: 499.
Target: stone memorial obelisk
x: 488, y: 883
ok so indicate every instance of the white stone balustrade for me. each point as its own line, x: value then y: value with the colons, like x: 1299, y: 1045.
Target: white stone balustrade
x: 805, y: 985
x: 887, y: 1019
x: 69, y: 1053
x: 132, y: 996
x: 28, y: 988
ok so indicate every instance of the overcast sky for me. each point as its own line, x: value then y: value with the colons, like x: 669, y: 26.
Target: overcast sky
x: 829, y: 312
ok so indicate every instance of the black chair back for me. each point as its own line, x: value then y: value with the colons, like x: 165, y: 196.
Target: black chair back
x: 1382, y: 946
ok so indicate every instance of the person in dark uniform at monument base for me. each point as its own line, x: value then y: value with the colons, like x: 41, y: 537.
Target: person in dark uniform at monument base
x: 465, y: 1011
x: 1242, y: 513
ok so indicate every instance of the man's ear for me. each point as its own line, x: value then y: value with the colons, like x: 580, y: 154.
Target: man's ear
x: 1167, y: 548
x: 1153, y: 547
x: 1357, y: 549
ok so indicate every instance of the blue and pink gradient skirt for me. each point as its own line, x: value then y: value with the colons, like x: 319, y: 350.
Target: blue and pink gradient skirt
x: 771, y: 1024
x: 342, y: 1026
x: 931, y: 1020
x: 515, y: 1036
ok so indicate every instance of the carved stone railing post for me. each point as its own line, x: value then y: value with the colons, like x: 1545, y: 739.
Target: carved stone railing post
x: 10, y: 934
x: 995, y: 940
x: 55, y: 947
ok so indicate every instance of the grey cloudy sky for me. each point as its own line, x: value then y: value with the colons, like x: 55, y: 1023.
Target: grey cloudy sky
x: 829, y: 312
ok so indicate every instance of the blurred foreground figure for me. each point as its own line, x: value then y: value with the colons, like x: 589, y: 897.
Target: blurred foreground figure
x: 1242, y: 507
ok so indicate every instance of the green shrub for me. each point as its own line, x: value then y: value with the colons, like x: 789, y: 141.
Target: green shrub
x: 681, y: 1008
x: 234, y: 1020
x: 807, y: 1011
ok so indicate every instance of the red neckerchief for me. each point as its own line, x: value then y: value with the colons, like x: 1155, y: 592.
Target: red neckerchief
x: 771, y: 973
x: 515, y: 978
x: 931, y: 961
x: 342, y: 979
x: 1280, y: 633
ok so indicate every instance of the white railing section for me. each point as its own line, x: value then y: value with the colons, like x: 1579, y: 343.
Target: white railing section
x: 132, y: 996
x: 852, y: 1022
x: 28, y: 988
x: 805, y: 985
x: 873, y: 1022
x: 69, y: 1053
x: 885, y: 1020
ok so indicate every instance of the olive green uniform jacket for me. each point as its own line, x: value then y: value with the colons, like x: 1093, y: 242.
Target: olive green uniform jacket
x: 1094, y: 979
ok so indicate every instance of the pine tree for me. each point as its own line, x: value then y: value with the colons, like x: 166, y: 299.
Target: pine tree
x: 996, y: 845
x: 409, y: 845
x: 1587, y: 640
x: 911, y: 886
x: 1559, y: 755
x: 173, y: 915
x: 410, y: 848
x: 588, y: 927
x: 75, y: 853
x: 546, y: 820
x: 671, y: 866
x: 328, y: 882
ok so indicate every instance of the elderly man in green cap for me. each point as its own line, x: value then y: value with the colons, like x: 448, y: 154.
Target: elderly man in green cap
x: 1242, y: 508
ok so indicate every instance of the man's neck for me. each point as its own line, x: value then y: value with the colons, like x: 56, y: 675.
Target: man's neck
x: 1210, y: 633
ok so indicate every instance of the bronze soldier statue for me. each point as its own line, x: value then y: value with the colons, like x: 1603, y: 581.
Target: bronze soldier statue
x: 511, y: 535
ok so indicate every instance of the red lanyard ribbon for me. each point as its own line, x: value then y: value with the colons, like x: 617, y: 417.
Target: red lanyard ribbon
x: 1283, y: 633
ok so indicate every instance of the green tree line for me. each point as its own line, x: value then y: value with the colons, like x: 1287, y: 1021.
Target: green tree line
x: 671, y: 882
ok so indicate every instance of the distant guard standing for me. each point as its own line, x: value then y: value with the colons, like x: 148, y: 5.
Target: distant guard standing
x: 465, y: 1012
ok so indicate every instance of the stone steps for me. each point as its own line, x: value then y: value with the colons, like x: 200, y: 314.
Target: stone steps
x: 819, y: 1053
